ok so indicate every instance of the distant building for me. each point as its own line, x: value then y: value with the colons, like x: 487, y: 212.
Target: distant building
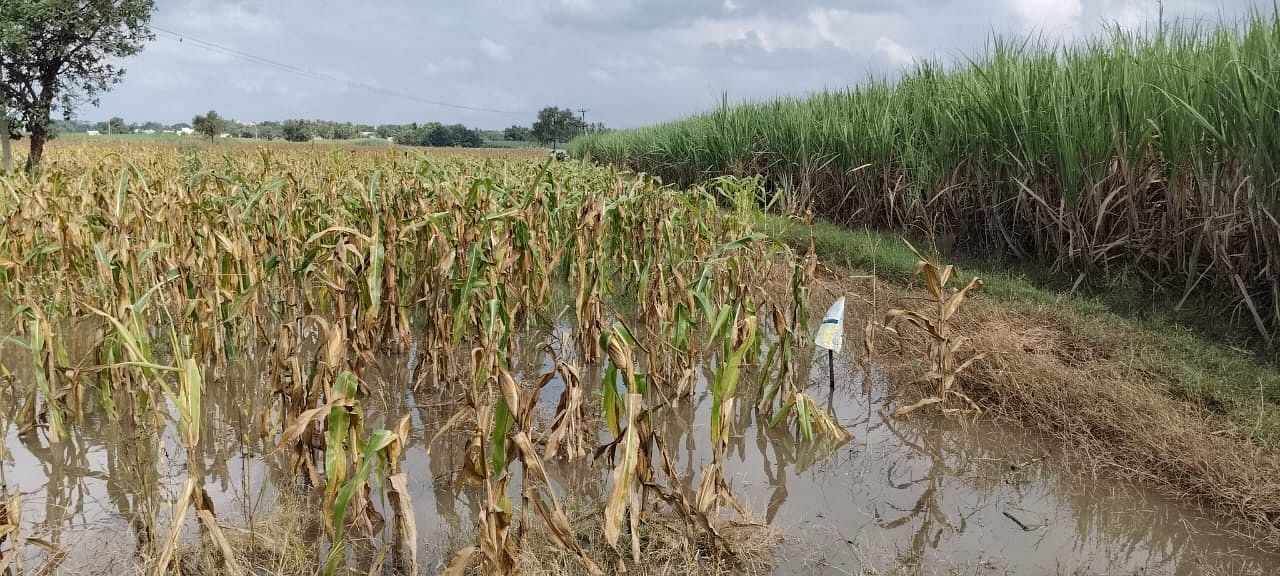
x: 186, y: 131
x: 368, y: 134
x: 93, y: 133
x: 148, y: 131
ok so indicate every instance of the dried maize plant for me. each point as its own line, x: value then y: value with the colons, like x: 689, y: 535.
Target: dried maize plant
x: 404, y: 525
x: 10, y: 523
x: 187, y: 400
x: 631, y: 450
x: 54, y: 397
x: 308, y: 397
x: 680, y: 338
x: 667, y: 299
x: 492, y: 416
x: 503, y: 418
x: 782, y: 351
x: 811, y: 421
x: 569, y: 427
x: 12, y: 542
x: 589, y: 257
x: 352, y: 466
x: 743, y: 198
x: 437, y: 250
x: 375, y: 462
x: 942, y: 346
x: 739, y: 334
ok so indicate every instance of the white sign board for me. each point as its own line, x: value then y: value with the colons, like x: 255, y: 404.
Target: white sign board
x: 831, y: 332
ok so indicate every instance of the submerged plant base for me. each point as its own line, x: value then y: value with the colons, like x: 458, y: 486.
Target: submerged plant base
x: 282, y: 543
x: 665, y: 547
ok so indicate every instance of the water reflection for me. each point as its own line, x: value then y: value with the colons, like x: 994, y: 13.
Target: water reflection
x: 930, y: 493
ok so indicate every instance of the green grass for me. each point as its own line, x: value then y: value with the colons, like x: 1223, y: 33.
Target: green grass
x: 1234, y: 383
x: 1144, y: 155
x: 510, y: 144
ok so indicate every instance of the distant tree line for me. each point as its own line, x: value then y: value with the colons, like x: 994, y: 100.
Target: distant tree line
x: 554, y: 125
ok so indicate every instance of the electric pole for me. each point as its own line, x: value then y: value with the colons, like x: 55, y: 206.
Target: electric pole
x: 583, y: 114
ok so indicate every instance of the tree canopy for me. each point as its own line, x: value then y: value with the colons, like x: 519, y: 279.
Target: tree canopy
x: 57, y: 53
x: 557, y: 125
x: 517, y: 134
x: 210, y: 124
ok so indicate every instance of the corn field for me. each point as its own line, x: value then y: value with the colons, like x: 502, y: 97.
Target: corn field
x: 1143, y: 154
x: 139, y: 281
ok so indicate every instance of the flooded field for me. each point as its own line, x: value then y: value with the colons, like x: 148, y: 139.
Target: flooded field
x: 923, y: 495
x: 388, y: 363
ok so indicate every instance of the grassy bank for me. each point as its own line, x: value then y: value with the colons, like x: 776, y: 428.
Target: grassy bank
x: 1141, y: 399
x: 1143, y: 155
x: 1225, y: 380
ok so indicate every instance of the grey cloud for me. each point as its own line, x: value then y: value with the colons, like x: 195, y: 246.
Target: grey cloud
x: 631, y: 62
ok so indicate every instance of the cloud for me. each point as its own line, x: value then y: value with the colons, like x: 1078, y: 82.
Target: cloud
x: 446, y: 65
x: 632, y: 62
x: 202, y: 16
x: 1048, y: 14
x: 896, y: 53
x: 495, y: 51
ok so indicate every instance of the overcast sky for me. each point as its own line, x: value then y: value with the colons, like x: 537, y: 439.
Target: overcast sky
x: 631, y: 62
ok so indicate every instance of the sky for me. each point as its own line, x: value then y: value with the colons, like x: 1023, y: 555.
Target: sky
x: 628, y: 62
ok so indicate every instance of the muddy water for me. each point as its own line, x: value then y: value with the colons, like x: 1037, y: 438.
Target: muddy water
x: 923, y: 495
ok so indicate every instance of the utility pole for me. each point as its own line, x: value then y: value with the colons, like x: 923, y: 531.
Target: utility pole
x: 583, y: 113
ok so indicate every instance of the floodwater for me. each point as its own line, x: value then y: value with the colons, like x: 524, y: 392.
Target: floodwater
x: 922, y: 495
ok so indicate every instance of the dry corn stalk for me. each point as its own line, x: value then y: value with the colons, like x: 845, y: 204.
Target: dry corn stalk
x: 942, y: 346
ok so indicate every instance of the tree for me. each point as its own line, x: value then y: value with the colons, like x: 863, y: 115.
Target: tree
x: 210, y: 124
x: 270, y: 130
x: 296, y: 130
x: 460, y: 135
x: 116, y: 125
x: 517, y: 134
x: 438, y: 135
x: 61, y: 52
x: 7, y: 123
x: 344, y: 131
x: 556, y: 125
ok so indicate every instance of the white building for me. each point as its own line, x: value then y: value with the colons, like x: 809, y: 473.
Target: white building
x: 93, y: 133
x: 186, y: 131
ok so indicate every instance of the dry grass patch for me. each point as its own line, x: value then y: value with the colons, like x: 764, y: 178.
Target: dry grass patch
x: 1113, y: 417
x: 284, y: 543
x: 1121, y: 423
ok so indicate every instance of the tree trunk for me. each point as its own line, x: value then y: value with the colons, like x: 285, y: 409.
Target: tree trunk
x: 5, y: 149
x: 39, y: 134
x: 38, y: 126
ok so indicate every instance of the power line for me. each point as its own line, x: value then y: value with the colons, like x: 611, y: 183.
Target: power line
x: 315, y: 75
